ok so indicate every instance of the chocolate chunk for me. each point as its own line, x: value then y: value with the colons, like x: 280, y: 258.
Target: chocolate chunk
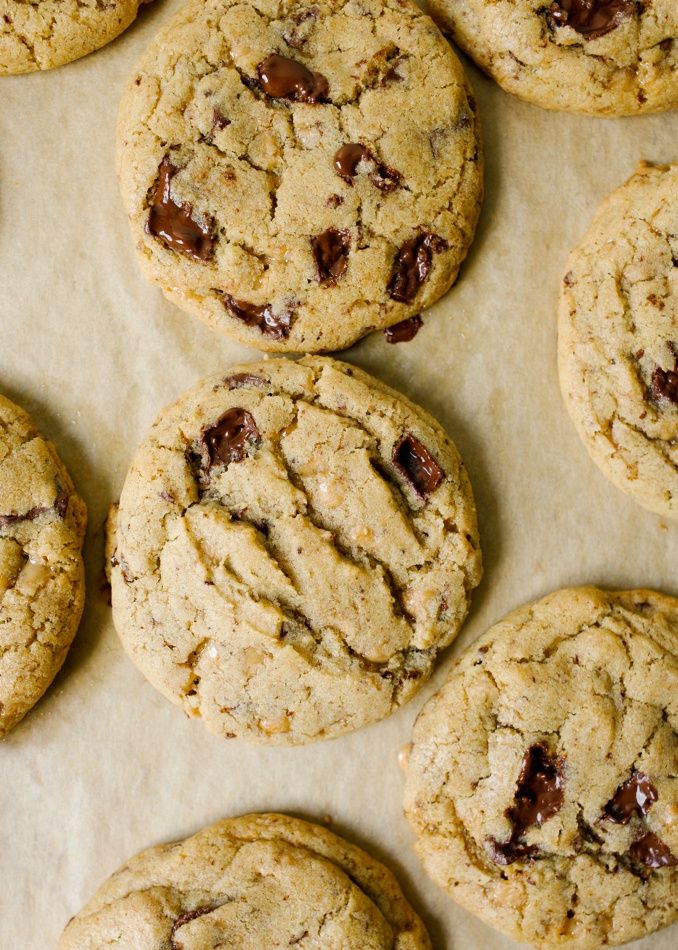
x: 665, y: 384
x: 415, y: 462
x: 348, y: 157
x: 173, y: 223
x: 591, y: 18
x: 219, y: 120
x: 651, y: 851
x: 185, y: 919
x: 228, y: 439
x: 539, y: 796
x: 412, y: 265
x: 404, y: 331
x: 283, y: 78
x: 240, y: 380
x: 14, y: 518
x: 274, y: 325
x: 636, y: 794
x: 330, y: 250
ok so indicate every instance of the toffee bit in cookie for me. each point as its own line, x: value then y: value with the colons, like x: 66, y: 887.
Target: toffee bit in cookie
x: 636, y: 794
x: 274, y: 325
x: 227, y: 440
x: 330, y: 250
x: 185, y: 919
x: 412, y: 265
x: 404, y: 331
x: 348, y: 158
x: 651, y: 851
x: 414, y: 461
x: 665, y: 384
x: 173, y: 223
x: 284, y: 78
x: 591, y: 18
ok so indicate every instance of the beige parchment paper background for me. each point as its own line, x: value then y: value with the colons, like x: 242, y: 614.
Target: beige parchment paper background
x: 105, y: 766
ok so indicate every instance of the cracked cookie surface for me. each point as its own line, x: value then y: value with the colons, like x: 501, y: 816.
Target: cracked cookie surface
x: 42, y: 34
x: 247, y: 883
x: 295, y: 543
x: 542, y: 782
x: 618, y: 338
x: 299, y: 174
x: 42, y: 525
x: 601, y: 57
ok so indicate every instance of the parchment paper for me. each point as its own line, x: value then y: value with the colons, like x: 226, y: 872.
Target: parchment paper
x: 105, y: 766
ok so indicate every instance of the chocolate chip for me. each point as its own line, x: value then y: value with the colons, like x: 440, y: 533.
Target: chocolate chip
x: 412, y: 265
x: 415, y: 462
x: 227, y: 441
x: 651, y: 851
x: 404, y: 331
x: 350, y: 156
x: 239, y: 380
x: 637, y: 794
x: 185, y: 919
x: 665, y: 384
x: 274, y: 325
x: 283, y: 78
x: 173, y: 223
x: 330, y: 250
x: 591, y: 18
x: 30, y: 515
x: 219, y: 120
x: 539, y: 795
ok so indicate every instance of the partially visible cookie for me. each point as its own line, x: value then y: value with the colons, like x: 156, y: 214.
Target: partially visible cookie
x: 543, y: 779
x: 48, y: 33
x: 297, y: 174
x: 42, y: 525
x: 295, y: 543
x: 253, y: 882
x: 602, y: 57
x: 618, y: 338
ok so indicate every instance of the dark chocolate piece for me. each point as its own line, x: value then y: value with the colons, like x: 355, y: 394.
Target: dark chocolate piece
x: 415, y: 462
x: 219, y: 120
x: 240, y: 380
x: 228, y: 439
x: 404, y: 331
x: 348, y: 157
x: 185, y: 919
x: 412, y: 265
x: 274, y: 325
x: 284, y: 78
x: 591, y: 18
x: 173, y: 223
x: 651, y: 851
x: 665, y: 384
x: 330, y: 250
x: 637, y: 794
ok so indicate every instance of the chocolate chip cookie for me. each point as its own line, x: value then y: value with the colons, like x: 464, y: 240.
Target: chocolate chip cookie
x: 542, y: 779
x: 42, y: 525
x: 295, y: 543
x: 47, y: 33
x: 602, y: 57
x: 618, y: 338
x: 297, y: 174
x: 250, y: 882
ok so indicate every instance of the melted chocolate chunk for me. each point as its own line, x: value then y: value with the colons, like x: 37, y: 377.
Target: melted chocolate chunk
x: 228, y: 439
x: 30, y: 515
x: 636, y: 794
x: 591, y: 18
x: 185, y: 919
x: 665, y: 384
x: 412, y: 265
x: 241, y: 380
x: 651, y: 851
x: 283, y: 78
x: 173, y: 223
x: 330, y: 250
x: 404, y: 331
x: 348, y: 157
x: 539, y: 796
x: 415, y: 462
x: 274, y: 325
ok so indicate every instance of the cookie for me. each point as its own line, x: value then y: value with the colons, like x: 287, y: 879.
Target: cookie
x: 618, y: 338
x: 250, y: 882
x: 42, y: 525
x: 542, y: 780
x: 48, y: 33
x: 297, y: 174
x: 295, y: 543
x: 601, y: 57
